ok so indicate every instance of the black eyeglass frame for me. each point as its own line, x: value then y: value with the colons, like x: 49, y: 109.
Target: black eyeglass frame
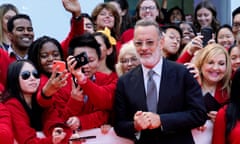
x: 27, y: 74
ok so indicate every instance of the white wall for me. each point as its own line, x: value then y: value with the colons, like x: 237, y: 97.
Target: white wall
x: 48, y: 16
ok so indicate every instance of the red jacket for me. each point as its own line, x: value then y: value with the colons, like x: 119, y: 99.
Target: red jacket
x: 6, y: 134
x: 77, y: 28
x: 184, y: 58
x: 101, y: 92
x: 94, y: 111
x: 221, y: 95
x: 219, y: 129
x: 23, y: 133
x: 4, y: 63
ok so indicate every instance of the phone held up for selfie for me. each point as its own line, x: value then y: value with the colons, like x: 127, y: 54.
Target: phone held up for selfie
x: 206, y: 32
x: 81, y: 59
x: 61, y: 64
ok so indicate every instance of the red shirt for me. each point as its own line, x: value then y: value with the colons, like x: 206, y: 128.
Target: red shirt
x: 23, y: 132
x: 220, y: 129
x: 184, y: 58
x: 6, y: 134
x: 221, y: 95
x: 76, y: 30
x: 94, y: 111
x: 4, y: 63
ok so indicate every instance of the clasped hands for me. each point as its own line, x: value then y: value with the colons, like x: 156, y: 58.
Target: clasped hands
x: 146, y: 120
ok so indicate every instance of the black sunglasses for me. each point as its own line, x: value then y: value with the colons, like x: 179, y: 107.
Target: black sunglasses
x: 26, y: 74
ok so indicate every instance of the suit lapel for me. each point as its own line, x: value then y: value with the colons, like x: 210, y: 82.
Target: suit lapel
x: 139, y: 89
x: 164, y: 97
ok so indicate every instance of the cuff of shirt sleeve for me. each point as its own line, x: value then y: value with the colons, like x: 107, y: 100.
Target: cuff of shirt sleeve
x: 137, y: 135
x: 44, y: 96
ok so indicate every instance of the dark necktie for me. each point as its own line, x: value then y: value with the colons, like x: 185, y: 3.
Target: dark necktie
x: 151, y: 93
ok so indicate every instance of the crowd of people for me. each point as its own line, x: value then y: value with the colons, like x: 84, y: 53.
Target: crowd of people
x: 155, y: 77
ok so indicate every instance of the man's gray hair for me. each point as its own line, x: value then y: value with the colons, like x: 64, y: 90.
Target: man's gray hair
x: 144, y: 23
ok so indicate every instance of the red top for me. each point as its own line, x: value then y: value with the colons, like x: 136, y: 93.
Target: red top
x: 220, y: 123
x: 76, y: 30
x: 5, y: 61
x: 94, y: 111
x: 221, y: 95
x: 6, y: 134
x: 125, y: 37
x: 184, y: 58
x: 101, y: 92
x: 23, y: 132
x: 220, y: 128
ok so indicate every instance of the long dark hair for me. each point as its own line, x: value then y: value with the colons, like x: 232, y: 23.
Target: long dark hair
x: 35, y: 48
x: 13, y: 90
x: 170, y: 12
x: 208, y: 5
x: 127, y: 18
x: 233, y: 108
x: 111, y: 59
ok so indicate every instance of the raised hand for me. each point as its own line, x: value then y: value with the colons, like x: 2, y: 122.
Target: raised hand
x: 195, y: 45
x: 55, y: 82
x: 77, y: 73
x: 72, y: 6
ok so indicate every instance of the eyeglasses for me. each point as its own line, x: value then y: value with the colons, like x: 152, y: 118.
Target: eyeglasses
x: 145, y: 8
x: 236, y: 25
x: 128, y: 60
x: 26, y: 74
x: 148, y: 43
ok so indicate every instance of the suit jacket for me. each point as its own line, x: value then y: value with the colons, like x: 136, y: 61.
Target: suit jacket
x: 180, y: 105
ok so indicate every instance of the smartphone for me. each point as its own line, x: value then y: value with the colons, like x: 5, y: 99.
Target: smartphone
x: 82, y: 138
x: 61, y: 64
x: 81, y: 59
x: 206, y: 32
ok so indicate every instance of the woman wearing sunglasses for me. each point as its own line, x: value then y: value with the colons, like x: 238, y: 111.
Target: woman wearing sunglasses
x: 22, y: 84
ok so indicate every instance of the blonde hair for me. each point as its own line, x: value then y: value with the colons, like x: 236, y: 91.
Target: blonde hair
x: 4, y: 8
x: 209, y: 51
x: 127, y: 48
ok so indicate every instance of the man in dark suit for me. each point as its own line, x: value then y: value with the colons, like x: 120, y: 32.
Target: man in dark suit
x: 179, y: 102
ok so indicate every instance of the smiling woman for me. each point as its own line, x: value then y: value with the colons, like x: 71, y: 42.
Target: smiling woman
x: 214, y: 65
x: 6, y: 12
x: 20, y: 100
